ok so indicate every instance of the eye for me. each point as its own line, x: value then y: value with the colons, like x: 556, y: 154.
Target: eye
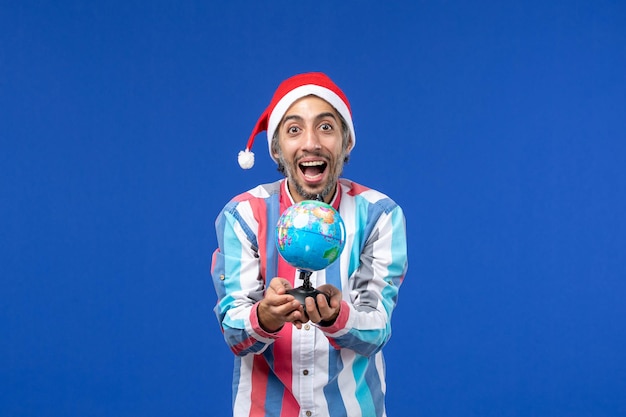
x: 327, y: 127
x: 292, y: 130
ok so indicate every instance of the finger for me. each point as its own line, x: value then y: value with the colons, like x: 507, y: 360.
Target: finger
x: 277, y: 286
x: 297, y: 318
x: 325, y: 309
x: 333, y: 293
x: 312, y: 311
x: 322, y: 301
x: 335, y: 300
x: 287, y: 308
x: 294, y: 316
x: 280, y: 286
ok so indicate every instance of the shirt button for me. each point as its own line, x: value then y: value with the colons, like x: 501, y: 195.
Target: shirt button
x: 305, y: 372
x: 308, y: 413
x: 307, y: 327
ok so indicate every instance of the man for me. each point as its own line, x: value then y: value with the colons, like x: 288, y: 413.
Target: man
x: 323, y: 358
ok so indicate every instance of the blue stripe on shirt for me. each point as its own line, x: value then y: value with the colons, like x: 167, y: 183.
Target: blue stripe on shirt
x: 332, y: 393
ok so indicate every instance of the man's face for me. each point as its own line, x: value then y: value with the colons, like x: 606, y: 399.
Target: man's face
x: 311, y: 149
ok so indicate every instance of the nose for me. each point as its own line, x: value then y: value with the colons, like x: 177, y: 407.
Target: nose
x: 311, y: 140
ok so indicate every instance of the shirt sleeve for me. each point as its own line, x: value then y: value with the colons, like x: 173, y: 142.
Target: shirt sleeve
x: 364, y: 321
x: 238, y: 281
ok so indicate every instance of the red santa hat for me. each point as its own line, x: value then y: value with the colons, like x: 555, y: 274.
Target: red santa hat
x: 287, y: 93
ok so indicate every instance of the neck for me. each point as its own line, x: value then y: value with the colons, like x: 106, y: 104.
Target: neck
x: 298, y: 195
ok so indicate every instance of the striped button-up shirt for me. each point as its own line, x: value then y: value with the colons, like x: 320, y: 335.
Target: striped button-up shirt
x: 337, y: 370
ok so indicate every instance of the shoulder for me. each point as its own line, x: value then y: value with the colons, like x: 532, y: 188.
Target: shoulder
x: 262, y: 191
x: 254, y: 199
x: 363, y: 195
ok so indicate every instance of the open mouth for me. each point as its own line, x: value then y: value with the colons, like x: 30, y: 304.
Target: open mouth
x: 313, y: 170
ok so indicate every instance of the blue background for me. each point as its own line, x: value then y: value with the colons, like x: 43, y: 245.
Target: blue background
x: 498, y: 126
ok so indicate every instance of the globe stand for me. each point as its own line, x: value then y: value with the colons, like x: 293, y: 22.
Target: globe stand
x: 306, y: 290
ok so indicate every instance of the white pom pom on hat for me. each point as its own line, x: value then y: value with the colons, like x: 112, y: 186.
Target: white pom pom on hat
x: 287, y: 93
x: 246, y: 159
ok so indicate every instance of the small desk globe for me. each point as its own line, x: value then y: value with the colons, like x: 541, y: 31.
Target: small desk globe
x: 310, y: 236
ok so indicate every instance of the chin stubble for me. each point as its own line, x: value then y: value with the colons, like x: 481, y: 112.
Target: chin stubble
x: 290, y: 171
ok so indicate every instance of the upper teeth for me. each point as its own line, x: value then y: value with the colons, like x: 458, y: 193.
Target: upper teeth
x: 312, y: 163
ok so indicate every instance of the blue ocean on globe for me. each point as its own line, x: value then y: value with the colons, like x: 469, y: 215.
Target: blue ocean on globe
x: 310, y: 235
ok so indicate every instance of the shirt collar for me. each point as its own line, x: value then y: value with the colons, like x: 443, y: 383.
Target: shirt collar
x: 286, y: 199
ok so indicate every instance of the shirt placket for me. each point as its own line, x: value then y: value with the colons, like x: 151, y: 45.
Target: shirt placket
x: 305, y: 365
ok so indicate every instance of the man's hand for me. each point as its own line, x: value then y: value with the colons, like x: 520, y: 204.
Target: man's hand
x: 278, y: 307
x: 324, y: 312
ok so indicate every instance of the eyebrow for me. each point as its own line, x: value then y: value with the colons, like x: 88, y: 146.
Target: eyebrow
x: 300, y: 119
x: 325, y: 115
x: 291, y: 117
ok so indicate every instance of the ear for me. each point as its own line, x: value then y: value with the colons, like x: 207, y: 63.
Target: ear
x: 275, y: 144
x: 350, y: 145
